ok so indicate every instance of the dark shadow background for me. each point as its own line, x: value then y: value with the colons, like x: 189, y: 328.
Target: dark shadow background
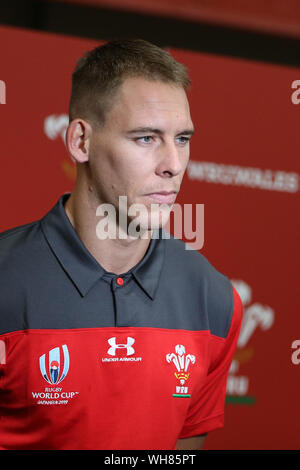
x: 104, y: 23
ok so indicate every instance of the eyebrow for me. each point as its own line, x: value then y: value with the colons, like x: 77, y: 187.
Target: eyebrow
x: 154, y: 130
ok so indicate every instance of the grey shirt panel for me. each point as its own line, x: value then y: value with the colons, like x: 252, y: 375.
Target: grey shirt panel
x: 49, y: 280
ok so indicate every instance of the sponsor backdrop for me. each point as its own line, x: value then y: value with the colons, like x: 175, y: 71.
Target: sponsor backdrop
x: 244, y: 168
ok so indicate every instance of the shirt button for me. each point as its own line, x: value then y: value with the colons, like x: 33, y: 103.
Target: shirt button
x: 120, y: 281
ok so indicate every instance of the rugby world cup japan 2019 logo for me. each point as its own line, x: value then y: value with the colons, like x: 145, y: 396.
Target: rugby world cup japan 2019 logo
x: 52, y: 370
x: 54, y: 367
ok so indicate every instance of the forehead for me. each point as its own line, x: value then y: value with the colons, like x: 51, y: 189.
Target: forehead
x: 140, y: 101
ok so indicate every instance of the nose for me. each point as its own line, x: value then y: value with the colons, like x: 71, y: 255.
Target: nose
x: 171, y: 160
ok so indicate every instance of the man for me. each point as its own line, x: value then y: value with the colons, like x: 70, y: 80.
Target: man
x: 141, y: 332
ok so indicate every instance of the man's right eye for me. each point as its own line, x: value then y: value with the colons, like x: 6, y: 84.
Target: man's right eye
x: 146, y: 139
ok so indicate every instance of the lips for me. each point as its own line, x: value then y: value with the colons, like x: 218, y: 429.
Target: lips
x: 163, y: 197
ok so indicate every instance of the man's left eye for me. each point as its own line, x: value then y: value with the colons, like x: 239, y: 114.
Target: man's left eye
x: 182, y: 139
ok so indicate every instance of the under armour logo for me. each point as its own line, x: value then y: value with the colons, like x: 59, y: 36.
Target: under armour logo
x: 114, y: 346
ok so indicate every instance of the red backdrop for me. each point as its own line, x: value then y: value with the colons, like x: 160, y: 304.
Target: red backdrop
x: 244, y: 168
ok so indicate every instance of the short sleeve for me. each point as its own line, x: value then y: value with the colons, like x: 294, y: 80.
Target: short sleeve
x: 206, y: 412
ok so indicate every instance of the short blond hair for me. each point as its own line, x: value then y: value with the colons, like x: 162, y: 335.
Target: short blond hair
x: 101, y: 71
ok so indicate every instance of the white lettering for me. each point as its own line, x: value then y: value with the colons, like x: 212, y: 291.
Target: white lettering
x: 2, y: 92
x: 242, y: 176
x: 294, y: 96
x: 106, y: 227
x: 115, y: 460
x: 237, y: 385
x: 295, y: 356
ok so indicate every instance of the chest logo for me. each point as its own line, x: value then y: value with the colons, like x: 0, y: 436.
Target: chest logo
x: 54, y: 367
x: 53, y: 372
x: 182, y: 362
x: 117, y: 351
x: 114, y: 346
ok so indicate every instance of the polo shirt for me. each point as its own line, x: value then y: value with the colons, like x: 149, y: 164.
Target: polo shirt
x: 94, y: 360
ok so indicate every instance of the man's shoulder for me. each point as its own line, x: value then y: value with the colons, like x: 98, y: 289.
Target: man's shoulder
x: 18, y: 241
x: 190, y: 260
x: 211, y: 287
x: 19, y: 255
x: 11, y: 232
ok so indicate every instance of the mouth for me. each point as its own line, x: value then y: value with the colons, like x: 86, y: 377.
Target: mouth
x: 163, y: 197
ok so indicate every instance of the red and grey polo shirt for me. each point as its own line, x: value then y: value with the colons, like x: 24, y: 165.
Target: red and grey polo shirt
x: 94, y: 360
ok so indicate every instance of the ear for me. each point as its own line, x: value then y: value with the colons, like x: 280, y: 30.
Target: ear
x: 78, y: 140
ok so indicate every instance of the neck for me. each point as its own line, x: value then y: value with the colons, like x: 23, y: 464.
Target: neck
x: 116, y: 255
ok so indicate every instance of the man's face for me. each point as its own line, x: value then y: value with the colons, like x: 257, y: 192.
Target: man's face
x: 143, y: 148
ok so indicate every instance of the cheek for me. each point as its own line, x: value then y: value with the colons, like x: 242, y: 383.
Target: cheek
x: 131, y: 171
x: 119, y: 168
x: 123, y: 179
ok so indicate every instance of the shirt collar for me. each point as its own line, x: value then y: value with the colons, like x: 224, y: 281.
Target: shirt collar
x: 82, y: 267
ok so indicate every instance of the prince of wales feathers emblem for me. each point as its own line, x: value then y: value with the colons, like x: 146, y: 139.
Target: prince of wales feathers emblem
x: 181, y: 362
